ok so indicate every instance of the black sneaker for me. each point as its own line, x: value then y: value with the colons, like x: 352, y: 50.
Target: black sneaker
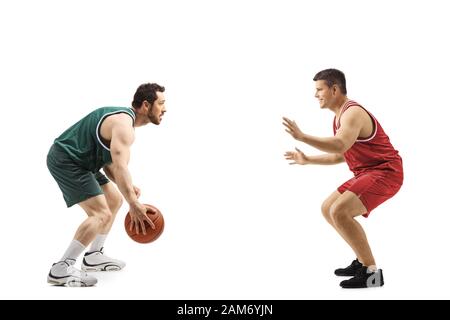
x: 364, y: 279
x: 350, y: 270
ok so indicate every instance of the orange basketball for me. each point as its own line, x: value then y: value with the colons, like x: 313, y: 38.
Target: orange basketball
x: 152, y: 234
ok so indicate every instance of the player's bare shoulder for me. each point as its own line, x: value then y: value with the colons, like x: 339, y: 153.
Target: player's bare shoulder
x: 359, y: 117
x: 120, y: 120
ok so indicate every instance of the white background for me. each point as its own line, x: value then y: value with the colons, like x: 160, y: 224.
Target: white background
x: 240, y: 222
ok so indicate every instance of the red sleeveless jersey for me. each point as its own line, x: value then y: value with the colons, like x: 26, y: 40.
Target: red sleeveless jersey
x: 372, y: 153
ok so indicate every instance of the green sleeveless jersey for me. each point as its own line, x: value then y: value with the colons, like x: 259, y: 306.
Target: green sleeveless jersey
x: 83, y: 143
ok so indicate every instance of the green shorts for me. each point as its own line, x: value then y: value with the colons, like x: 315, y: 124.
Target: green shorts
x: 76, y: 183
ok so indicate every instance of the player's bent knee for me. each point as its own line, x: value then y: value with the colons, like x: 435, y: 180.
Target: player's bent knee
x: 338, y: 213
x: 104, y: 216
x: 116, y: 203
x: 326, y: 210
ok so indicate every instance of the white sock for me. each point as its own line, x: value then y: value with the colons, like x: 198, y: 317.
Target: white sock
x: 372, y: 268
x: 98, y: 242
x: 74, y: 250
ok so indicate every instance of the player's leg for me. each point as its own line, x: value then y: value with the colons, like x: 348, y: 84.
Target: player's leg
x: 99, y: 217
x: 326, y: 210
x: 326, y: 205
x: 64, y: 272
x: 355, y: 265
x: 78, y: 186
x: 115, y: 200
x: 343, y: 213
x: 95, y: 259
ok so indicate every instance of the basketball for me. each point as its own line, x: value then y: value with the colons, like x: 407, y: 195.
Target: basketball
x: 152, y: 234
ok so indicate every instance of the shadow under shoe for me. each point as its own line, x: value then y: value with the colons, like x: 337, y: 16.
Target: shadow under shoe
x: 364, y: 278
x: 349, y: 271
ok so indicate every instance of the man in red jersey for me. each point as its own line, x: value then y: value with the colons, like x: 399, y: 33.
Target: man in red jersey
x: 360, y: 141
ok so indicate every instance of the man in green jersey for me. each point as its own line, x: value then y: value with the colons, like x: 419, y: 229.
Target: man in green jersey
x: 101, y: 140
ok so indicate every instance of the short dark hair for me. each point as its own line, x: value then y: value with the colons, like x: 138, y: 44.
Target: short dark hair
x: 146, y: 91
x: 332, y: 77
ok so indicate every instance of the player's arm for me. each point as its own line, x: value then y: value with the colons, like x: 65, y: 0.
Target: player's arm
x: 298, y: 157
x: 351, y: 125
x: 326, y: 159
x: 110, y: 176
x: 122, y: 137
x: 109, y: 173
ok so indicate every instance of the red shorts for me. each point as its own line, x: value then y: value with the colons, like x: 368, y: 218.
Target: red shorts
x: 374, y: 187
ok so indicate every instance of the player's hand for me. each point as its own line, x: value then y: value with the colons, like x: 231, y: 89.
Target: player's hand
x: 293, y: 129
x: 137, y: 191
x: 297, y: 157
x: 138, y: 215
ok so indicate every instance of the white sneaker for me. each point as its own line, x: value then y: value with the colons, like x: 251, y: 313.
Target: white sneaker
x: 97, y: 261
x: 63, y: 273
